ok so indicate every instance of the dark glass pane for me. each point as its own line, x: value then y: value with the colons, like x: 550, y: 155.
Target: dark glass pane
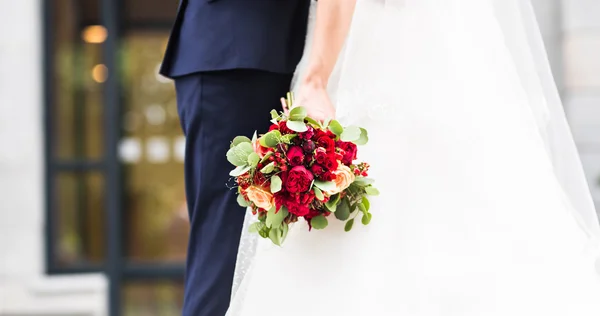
x: 146, y: 12
x: 77, y: 76
x: 152, y: 298
x: 79, y: 217
x: 151, y: 150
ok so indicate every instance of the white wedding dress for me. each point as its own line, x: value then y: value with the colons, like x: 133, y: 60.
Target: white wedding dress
x: 483, y: 210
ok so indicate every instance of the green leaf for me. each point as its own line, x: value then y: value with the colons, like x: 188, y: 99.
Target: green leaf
x: 274, y: 115
x: 332, y: 203
x: 297, y: 126
x: 274, y: 219
x: 275, y: 184
x: 363, y: 139
x: 284, y: 231
x: 362, y: 181
x: 239, y: 171
x: 362, y: 208
x: 264, y: 233
x: 371, y: 191
x: 349, y: 224
x: 256, y: 227
x: 253, y: 159
x: 288, y: 138
x: 242, y: 201
x: 343, y: 210
x: 312, y: 121
x: 268, y: 168
x: 298, y: 114
x: 270, y: 139
x: 266, y: 157
x: 238, y: 140
x: 325, y: 185
x: 366, y: 203
x: 366, y: 219
x: 350, y: 134
x: 238, y: 155
x: 318, y: 194
x: 275, y: 236
x: 319, y: 222
x: 336, y: 128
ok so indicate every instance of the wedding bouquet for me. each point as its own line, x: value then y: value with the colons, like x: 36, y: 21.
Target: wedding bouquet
x: 301, y: 168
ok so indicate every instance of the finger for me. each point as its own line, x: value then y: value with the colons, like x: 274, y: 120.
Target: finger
x: 284, y: 105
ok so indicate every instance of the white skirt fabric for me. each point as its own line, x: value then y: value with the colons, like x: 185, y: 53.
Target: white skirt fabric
x: 471, y: 220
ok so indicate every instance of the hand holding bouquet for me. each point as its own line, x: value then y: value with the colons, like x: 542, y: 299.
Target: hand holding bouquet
x: 301, y: 168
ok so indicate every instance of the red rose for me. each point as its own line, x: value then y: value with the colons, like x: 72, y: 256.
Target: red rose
x: 317, y: 170
x: 298, y: 209
x: 325, y: 142
x: 321, y: 155
x: 308, y: 134
x: 295, y: 156
x: 298, y: 180
x: 284, y: 129
x: 328, y: 176
x: 273, y: 127
x: 330, y: 163
x: 350, y: 152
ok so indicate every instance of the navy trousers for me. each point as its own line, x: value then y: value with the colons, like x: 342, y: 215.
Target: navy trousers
x: 214, y: 107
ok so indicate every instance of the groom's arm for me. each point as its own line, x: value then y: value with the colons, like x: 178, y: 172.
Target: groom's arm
x: 331, y: 29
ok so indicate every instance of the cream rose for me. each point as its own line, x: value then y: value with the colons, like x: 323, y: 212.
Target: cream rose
x: 260, y: 197
x: 343, y: 178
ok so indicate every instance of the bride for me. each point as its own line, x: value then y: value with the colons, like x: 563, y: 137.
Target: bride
x: 484, y: 209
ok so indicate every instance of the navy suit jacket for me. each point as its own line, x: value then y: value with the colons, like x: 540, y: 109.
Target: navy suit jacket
x: 211, y: 35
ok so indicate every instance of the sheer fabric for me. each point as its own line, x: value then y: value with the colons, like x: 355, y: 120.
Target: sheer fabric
x: 484, y: 207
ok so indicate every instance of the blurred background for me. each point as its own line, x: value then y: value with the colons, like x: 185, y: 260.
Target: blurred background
x: 93, y: 217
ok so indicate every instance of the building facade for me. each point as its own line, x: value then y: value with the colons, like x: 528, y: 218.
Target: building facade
x: 92, y: 207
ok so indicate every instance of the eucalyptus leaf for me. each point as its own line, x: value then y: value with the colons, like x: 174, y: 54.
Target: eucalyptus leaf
x: 298, y: 114
x: 238, y: 155
x: 318, y: 194
x: 333, y: 203
x: 363, y: 139
x: 371, y: 191
x: 349, y: 224
x: 238, y: 140
x: 268, y: 168
x: 256, y: 227
x: 350, y: 134
x: 284, y: 231
x: 297, y: 126
x: 288, y: 138
x: 366, y: 219
x: 270, y: 139
x: 239, y: 171
x: 274, y: 218
x: 363, y: 181
x: 325, y: 185
x: 313, y: 122
x: 361, y: 207
x: 366, y: 203
x: 275, y: 236
x: 319, y: 222
x: 274, y: 115
x: 242, y: 201
x: 336, y: 128
x: 266, y: 157
x: 253, y: 159
x: 343, y: 210
x: 275, y: 184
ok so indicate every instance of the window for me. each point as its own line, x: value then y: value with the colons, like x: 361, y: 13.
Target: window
x: 114, y: 151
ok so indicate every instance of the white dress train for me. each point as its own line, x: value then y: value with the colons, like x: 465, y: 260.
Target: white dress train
x: 473, y: 218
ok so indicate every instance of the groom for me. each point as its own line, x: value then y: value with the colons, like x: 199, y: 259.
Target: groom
x: 231, y: 61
